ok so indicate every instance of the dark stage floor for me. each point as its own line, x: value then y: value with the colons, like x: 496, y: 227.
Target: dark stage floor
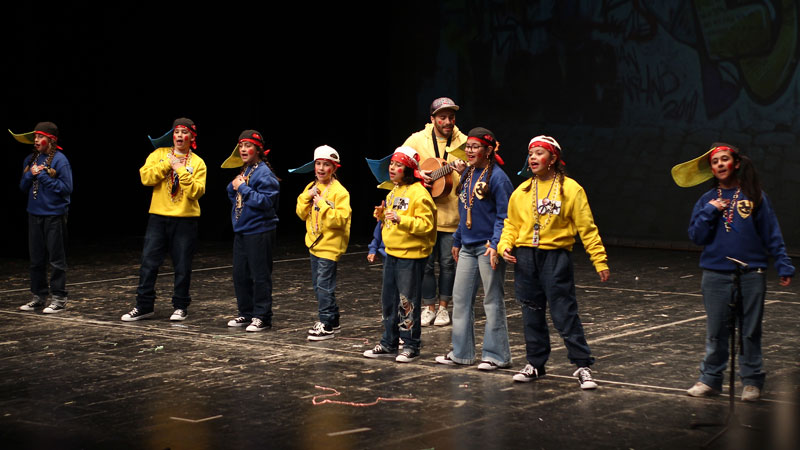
x: 84, y: 379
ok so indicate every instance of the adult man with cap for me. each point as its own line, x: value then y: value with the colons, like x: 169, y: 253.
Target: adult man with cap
x: 439, y: 139
x: 178, y: 178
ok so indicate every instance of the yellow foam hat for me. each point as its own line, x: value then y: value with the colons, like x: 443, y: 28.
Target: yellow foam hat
x: 233, y: 161
x: 25, y: 138
x: 693, y: 172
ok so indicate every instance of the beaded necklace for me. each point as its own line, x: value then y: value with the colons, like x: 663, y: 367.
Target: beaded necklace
x: 324, y: 196
x: 468, y: 199
x: 547, y: 206
x: 239, y: 200
x: 48, y: 161
x: 173, y: 182
x: 727, y: 215
x: 391, y: 201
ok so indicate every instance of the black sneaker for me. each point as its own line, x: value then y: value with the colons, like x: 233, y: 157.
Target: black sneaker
x: 178, y: 315
x: 407, y: 355
x: 258, y: 325
x: 528, y: 374
x: 379, y: 352
x: 54, y: 308
x: 320, y: 332
x: 32, y: 305
x: 136, y: 314
x: 585, y: 379
x: 239, y: 322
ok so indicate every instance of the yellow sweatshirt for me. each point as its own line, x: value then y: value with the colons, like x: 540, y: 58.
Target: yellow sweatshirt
x: 157, y: 172
x: 413, y: 237
x: 559, y: 230
x: 330, y: 223
x: 447, y: 206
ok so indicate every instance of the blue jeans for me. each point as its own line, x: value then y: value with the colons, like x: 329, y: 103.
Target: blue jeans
x: 718, y: 291
x: 323, y: 279
x: 543, y: 277
x: 447, y: 271
x: 176, y: 236
x: 252, y: 274
x: 46, y: 236
x: 474, y: 267
x: 400, y: 302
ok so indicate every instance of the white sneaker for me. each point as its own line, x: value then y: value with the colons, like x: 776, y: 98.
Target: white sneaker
x: 445, y: 360
x: 701, y: 389
x: 528, y: 374
x: 584, y: 375
x: 751, y: 393
x: 178, y: 314
x: 442, y: 317
x: 428, y: 316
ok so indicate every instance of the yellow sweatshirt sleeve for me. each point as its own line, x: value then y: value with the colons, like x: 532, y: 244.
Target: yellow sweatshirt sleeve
x: 588, y: 231
x: 338, y: 216
x: 511, y: 224
x: 304, y: 203
x: 193, y: 183
x: 155, y: 168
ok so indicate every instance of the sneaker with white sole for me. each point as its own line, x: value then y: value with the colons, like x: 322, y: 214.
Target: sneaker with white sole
x: 751, y: 393
x: 442, y: 317
x: 406, y: 356
x: 379, y: 352
x: 445, y: 360
x: 528, y: 374
x: 428, y: 317
x: 239, y: 322
x: 54, y: 308
x: 488, y: 366
x: 258, y: 325
x: 701, y: 389
x: 320, y: 332
x: 37, y: 302
x: 584, y: 375
x: 178, y: 315
x: 136, y: 314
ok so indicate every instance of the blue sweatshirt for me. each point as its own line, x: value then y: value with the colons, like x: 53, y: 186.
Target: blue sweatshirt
x: 376, y: 245
x: 488, y: 213
x: 754, y: 234
x: 259, y: 201
x: 52, y: 193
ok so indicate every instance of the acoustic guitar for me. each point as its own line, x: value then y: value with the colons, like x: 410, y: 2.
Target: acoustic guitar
x: 441, y: 176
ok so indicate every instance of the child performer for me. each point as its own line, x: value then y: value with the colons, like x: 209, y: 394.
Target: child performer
x: 324, y: 205
x: 733, y: 219
x: 409, y: 231
x: 254, y: 194
x: 47, y: 179
x: 178, y: 177
x: 544, y: 214
x: 483, y: 201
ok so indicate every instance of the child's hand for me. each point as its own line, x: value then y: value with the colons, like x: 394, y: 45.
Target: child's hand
x: 311, y: 193
x: 176, y: 163
x: 378, y: 213
x: 391, y: 216
x: 604, y: 274
x: 371, y: 257
x: 785, y: 281
x: 511, y: 259
x: 237, y: 182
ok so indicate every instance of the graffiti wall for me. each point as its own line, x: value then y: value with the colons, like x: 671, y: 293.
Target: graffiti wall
x: 631, y: 88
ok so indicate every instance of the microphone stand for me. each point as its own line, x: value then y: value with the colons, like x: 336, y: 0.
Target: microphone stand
x: 735, y: 313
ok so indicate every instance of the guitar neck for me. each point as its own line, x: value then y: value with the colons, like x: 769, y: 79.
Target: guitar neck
x: 442, y: 171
